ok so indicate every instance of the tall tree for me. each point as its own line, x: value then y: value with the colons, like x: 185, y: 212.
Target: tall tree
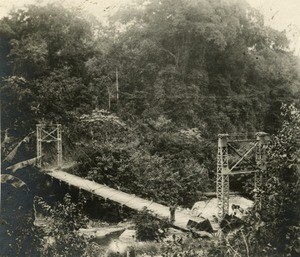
x: 44, y: 75
x: 40, y: 39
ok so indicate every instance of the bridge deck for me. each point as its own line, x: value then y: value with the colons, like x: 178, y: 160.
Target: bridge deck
x: 129, y: 200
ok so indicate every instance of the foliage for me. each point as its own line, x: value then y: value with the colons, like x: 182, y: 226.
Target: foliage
x: 61, y: 235
x: 19, y: 237
x: 149, y: 228
x: 42, y: 38
x: 190, y: 245
x: 67, y: 97
x: 45, y: 48
x: 203, y: 62
x: 280, y: 192
x: 162, y: 171
x: 13, y: 181
x: 101, y: 124
x: 173, y: 59
x: 16, y: 100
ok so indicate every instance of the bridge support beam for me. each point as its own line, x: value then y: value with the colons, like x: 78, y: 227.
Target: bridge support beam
x: 260, y: 157
x: 59, y: 146
x: 39, y: 145
x: 222, y: 176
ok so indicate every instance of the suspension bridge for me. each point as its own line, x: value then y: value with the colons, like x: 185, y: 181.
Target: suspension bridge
x: 253, y: 155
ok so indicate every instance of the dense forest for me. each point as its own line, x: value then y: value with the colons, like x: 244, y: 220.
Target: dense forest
x: 143, y: 97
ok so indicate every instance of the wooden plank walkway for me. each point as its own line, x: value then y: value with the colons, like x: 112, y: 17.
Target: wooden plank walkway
x: 130, y: 200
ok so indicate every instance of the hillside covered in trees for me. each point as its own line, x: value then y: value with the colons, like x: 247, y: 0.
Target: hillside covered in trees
x: 143, y: 97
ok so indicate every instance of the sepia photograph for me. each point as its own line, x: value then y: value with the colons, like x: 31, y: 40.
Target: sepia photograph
x: 150, y: 128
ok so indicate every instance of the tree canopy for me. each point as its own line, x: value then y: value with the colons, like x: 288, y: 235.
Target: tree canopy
x: 205, y: 64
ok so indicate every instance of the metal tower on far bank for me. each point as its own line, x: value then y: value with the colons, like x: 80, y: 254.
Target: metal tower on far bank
x: 48, y: 133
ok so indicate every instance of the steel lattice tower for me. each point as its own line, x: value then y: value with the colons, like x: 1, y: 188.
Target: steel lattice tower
x: 255, y: 145
x: 222, y: 175
x: 260, y: 157
x: 48, y: 133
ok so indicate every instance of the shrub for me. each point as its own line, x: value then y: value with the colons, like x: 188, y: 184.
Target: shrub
x: 61, y: 234
x: 149, y: 228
